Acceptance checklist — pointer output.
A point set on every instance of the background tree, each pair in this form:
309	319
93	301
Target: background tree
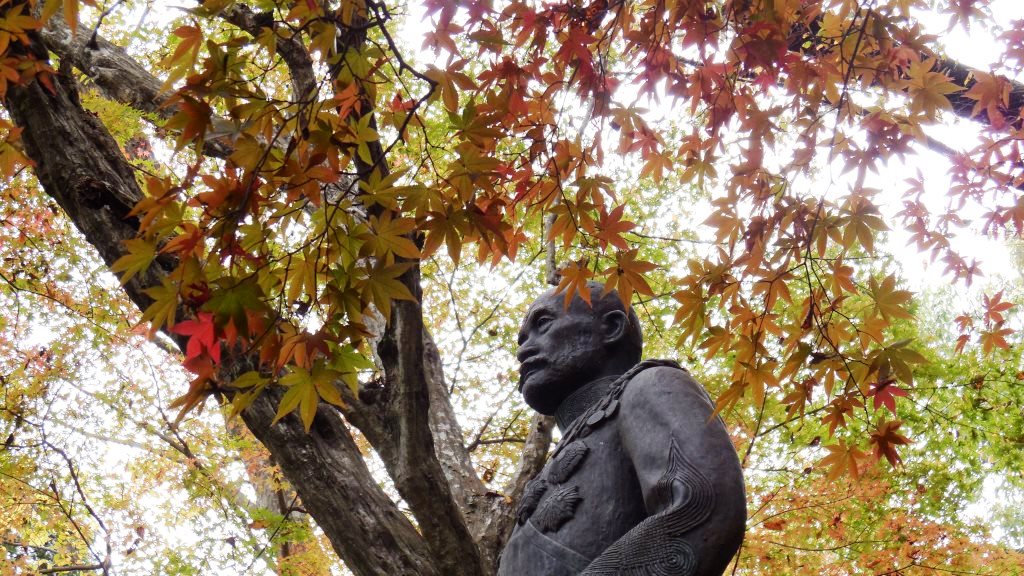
275	197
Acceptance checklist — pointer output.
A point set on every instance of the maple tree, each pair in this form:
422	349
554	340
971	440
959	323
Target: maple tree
272	183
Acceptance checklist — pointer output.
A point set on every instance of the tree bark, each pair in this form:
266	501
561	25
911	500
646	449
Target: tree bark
80	165
498	515
118	76
410	455
365	527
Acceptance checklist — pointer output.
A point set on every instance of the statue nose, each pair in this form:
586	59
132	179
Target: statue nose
525	352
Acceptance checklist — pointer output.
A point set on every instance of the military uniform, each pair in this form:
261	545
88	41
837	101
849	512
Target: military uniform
644	482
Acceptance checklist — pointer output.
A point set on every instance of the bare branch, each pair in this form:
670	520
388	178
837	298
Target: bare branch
73	568
498	440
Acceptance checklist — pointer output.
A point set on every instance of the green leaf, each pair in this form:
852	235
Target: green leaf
164	307
141	253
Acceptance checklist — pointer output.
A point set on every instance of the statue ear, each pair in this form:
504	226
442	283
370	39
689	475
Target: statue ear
614	325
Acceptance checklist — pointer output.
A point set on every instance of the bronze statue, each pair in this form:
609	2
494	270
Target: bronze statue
644	480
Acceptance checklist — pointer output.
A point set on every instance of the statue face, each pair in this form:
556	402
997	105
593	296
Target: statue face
559	351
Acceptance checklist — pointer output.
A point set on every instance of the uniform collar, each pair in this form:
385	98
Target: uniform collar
577	403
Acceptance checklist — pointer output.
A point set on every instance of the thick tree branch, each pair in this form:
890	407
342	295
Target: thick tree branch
117	75
409	453
81	167
960	74
291	49
449	444
412	468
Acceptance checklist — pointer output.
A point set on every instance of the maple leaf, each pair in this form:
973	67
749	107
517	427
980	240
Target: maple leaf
301	394
181	61
885	439
692	313
305	389
961	342
140	254
627	276
889	302
995	307
928	89
862	223
192	120
995	338
656	165
884	394
841	279
302	276
190	241
842	458
730	397
382	285
247	387
447	227
202	333
300	347
759	377
348	362
165	304
897	359
198	389
389	238
71	13
236	304
837	411
797	400
158	210
610	228
446	83
991	94
573	281
796	360
962	12
718	340
575	48
383	190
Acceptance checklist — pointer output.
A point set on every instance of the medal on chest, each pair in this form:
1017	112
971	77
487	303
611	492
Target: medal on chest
549	499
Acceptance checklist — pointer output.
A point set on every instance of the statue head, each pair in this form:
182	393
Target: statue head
561	350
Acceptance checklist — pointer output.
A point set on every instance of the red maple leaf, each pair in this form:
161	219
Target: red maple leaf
885	439
884	393
202	333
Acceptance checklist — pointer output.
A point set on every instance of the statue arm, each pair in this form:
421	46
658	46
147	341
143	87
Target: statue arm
691	481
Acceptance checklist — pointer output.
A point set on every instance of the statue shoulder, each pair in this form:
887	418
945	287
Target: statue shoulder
665	388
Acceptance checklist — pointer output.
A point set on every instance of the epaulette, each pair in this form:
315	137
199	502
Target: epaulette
605	408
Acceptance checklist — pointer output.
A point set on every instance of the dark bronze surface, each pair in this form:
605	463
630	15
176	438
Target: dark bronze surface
644	480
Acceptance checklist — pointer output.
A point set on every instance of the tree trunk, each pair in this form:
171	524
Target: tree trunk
327	470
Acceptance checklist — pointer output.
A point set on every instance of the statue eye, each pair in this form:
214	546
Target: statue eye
543	322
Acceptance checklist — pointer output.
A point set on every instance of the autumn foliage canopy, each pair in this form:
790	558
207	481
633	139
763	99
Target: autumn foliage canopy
293	193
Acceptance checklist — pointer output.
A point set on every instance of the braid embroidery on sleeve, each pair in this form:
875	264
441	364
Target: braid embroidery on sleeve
655	546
